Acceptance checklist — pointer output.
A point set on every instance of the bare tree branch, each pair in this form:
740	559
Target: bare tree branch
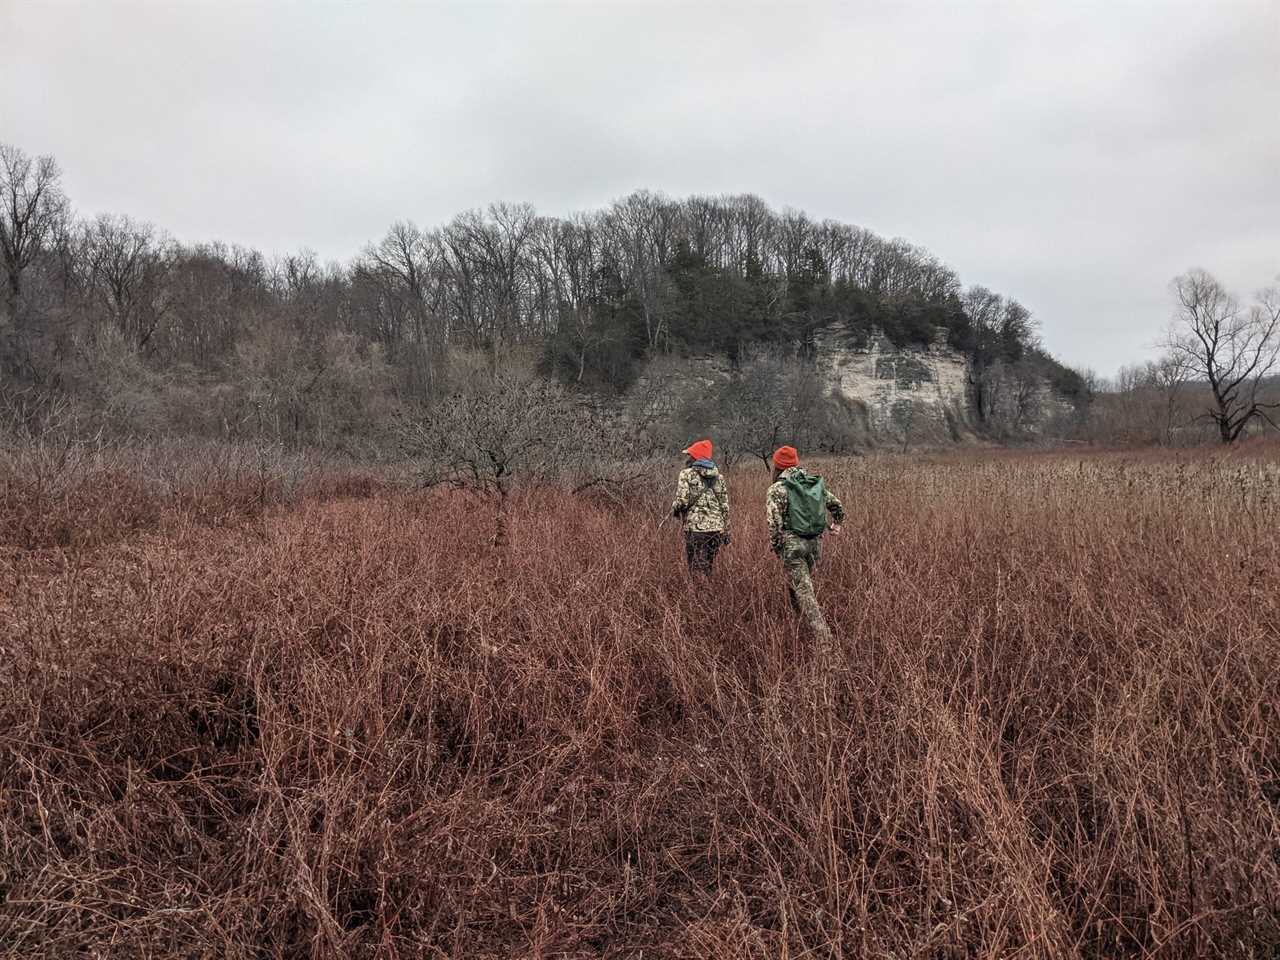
1234	350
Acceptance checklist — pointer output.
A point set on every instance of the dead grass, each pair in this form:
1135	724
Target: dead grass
63	493
347	728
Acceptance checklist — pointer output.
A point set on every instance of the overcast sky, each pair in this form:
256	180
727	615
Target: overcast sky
1074	155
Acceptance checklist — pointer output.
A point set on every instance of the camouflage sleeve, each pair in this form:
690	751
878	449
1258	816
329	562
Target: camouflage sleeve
683	494
722	494
775	507
834	506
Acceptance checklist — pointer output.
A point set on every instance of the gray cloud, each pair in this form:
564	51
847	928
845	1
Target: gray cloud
1075	156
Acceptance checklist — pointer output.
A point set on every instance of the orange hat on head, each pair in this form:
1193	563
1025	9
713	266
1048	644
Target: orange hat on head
785	457
700	450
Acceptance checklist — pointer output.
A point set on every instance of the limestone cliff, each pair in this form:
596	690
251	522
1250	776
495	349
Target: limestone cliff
920	395
876	394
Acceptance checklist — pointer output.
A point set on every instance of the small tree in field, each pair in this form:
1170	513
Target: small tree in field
1234	349
488	438
506	430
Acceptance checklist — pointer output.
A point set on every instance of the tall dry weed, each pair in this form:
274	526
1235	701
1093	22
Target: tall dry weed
351	728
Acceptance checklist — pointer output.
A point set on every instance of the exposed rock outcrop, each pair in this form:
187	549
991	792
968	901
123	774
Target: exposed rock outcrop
877	393
916	395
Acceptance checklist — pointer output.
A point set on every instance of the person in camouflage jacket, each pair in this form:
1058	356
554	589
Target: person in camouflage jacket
702	504
799	554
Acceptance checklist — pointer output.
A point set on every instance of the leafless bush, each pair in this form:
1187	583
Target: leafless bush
508	431
61	485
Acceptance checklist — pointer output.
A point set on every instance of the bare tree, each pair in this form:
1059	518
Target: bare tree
1026	396
1168	377
903	416
129	266
984	310
643	228
404	272
506	431
568	260
218	294
32	209
1233	349
770	400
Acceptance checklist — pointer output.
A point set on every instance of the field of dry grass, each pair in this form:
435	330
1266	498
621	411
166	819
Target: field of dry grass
338	724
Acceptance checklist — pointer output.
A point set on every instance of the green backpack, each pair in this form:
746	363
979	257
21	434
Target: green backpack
806	504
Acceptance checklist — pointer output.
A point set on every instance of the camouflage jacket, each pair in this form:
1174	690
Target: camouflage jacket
775	506
702	512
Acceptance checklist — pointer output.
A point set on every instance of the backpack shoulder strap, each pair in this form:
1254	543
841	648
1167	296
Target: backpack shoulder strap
708	483
698	496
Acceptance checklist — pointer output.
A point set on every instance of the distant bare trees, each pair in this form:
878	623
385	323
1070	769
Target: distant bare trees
33	209
643	229
222	337
1146	404
1235	350
128	265
999	337
487	266
1165	382
577	292
399	297
769	401
997	329
595	294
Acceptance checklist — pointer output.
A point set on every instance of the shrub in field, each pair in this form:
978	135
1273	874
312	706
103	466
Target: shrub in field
506	431
354	728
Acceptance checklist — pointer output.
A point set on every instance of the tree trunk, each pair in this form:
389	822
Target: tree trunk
13	295
500	521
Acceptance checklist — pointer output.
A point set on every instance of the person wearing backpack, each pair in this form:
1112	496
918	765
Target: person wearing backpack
796	506
702	504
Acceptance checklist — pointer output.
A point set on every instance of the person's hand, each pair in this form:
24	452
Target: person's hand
835	529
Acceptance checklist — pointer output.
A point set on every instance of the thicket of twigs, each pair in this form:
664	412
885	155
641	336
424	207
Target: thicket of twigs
341	724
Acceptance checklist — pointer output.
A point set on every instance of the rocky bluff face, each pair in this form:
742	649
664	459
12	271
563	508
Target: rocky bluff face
915	395
880	393
922	391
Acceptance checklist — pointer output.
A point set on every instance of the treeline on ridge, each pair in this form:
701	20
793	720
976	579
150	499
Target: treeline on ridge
217	339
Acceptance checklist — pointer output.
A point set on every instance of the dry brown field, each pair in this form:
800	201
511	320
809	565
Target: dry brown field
244	721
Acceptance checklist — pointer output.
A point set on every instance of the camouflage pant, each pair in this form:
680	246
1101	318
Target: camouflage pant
700	550
799	557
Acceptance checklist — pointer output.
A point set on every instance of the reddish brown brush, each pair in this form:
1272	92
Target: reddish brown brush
59	494
350	728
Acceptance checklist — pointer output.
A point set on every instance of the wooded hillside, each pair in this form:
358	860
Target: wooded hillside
213	338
